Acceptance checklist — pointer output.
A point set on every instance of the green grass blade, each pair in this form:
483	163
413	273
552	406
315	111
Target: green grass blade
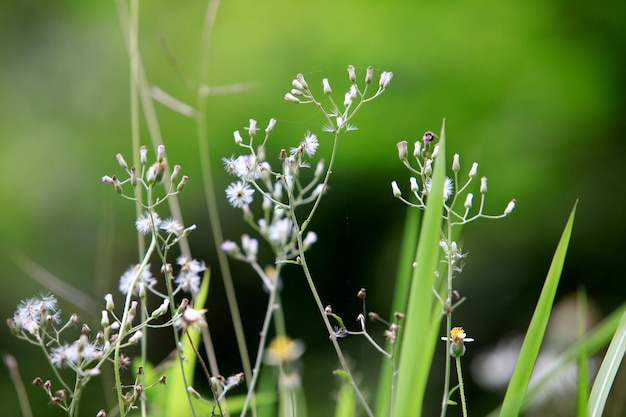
402	285
346	402
583	374
416	349
514	397
589	345
606	375
175	400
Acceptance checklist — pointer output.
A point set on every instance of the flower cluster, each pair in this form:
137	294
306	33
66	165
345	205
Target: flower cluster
339	115
281	191
424	153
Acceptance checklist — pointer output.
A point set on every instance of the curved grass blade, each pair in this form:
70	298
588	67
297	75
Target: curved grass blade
606	375
514	397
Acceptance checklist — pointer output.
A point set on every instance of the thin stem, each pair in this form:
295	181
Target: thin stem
461	387
448	309
313	289
124	323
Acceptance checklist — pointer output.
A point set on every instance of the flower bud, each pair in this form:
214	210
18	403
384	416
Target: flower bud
369	74
326	86
175	172
110	305
428	137
417	150
104	321
414	187
182	183
456	164
238	138
395	189
160	153
270	126
483	185
302	82
319	168
143	155
252	128
428	167
474	170
351	74
403	151
121	161
292	98
385	79
468	201
510	207
435	151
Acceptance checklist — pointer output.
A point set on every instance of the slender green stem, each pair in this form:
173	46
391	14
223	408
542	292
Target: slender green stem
461	387
124	324
313	289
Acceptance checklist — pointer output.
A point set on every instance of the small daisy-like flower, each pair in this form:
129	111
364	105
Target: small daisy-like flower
193	266
188	282
448	187
191	317
283	349
457	338
148	222
239	194
145	279
280	230
171	226
308	145
32	311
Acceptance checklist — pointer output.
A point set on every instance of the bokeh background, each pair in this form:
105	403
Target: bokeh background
533	91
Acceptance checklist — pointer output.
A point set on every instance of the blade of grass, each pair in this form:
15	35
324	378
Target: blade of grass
606	375
514	397
589	345
417	349
402	285
176	404
583	374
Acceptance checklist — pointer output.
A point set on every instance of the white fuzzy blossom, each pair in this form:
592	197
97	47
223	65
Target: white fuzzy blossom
145	279
239	194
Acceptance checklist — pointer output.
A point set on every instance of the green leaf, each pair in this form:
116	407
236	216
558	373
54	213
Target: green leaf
589	345
417	346
606	375
583	385
514	397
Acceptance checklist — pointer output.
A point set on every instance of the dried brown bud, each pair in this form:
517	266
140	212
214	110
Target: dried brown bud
361	294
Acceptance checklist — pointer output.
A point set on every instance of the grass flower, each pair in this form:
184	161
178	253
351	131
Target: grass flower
239	194
145	279
283	349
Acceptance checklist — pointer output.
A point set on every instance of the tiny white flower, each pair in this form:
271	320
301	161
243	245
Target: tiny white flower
147	222
145	279
171	226
188	282
308	145
230	247
239	194
448	187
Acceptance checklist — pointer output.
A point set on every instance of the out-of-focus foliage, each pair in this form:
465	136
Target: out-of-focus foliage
532	90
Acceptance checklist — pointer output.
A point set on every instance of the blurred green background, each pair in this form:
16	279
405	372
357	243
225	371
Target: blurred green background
533	91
